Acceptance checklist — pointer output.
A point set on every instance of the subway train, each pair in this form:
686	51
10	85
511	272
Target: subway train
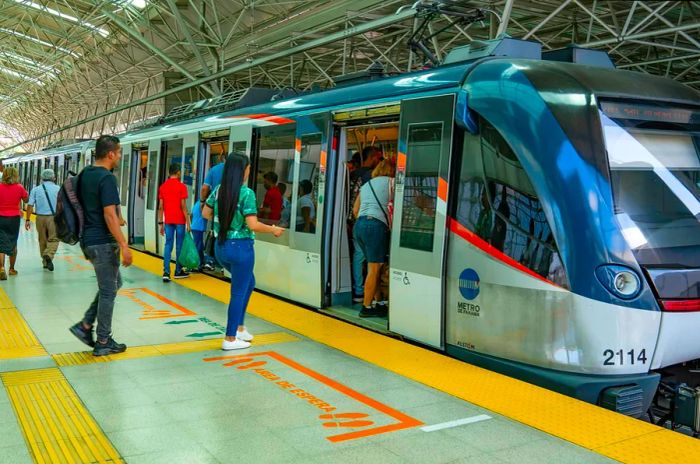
546	211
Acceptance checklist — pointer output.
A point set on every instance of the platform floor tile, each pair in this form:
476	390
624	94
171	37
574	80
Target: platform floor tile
177	398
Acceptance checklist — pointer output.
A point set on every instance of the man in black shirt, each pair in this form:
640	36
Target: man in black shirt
101	242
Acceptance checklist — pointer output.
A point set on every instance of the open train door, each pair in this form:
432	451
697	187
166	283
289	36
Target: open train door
418	236
150	222
124	171
240	137
308	172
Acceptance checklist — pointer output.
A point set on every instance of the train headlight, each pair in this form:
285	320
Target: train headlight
619	280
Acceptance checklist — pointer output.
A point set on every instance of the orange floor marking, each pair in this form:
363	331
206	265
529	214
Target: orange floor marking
404	421
149	311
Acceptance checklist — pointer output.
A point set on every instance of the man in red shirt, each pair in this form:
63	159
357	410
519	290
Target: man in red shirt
174	220
271	210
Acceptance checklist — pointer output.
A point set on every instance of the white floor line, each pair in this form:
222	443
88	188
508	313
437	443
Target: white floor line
455	423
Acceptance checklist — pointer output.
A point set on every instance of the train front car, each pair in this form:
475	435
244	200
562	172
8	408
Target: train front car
578	267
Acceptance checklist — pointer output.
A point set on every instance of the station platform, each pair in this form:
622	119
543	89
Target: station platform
311	388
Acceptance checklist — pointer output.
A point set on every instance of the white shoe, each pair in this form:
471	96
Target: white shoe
236	345
244	335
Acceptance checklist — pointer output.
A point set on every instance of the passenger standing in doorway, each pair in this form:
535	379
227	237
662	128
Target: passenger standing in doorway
371	156
12	193
234	209
174	221
42	200
101	242
306	210
211	181
372	234
271	209
199	227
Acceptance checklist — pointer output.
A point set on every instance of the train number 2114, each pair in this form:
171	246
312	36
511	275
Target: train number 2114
620	358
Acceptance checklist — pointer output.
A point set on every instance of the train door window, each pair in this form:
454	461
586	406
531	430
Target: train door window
152	184
173	155
274	172
421	186
499	204
117	171
307	203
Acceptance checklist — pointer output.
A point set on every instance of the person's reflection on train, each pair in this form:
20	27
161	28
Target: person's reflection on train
271	209
233	208
500	227
286	214
484	222
372	234
306	211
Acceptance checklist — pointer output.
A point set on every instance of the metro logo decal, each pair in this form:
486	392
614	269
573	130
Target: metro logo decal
375	419
469	284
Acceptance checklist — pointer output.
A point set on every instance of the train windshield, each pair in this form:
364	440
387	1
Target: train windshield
654	156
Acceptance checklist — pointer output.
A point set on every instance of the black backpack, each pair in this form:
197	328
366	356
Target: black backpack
69	218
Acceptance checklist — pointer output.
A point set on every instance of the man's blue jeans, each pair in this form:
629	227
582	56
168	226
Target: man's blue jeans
105	259
171	231
358	275
198	237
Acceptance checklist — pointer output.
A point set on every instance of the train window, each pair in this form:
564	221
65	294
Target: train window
152	184
307	202
498	203
275	171
420	186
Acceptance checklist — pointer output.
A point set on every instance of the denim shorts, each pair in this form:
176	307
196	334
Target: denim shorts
372	236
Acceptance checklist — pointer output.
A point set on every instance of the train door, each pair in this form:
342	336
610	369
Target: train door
189	163
123	182
307	212
137	185
60	161
150	226
171	153
212	146
420	219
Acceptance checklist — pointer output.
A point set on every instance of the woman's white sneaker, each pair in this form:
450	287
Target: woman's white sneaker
244	335
238	344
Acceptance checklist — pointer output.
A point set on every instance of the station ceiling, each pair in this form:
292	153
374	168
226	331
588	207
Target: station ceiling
66	61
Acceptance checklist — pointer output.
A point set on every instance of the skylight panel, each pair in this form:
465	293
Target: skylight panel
29	62
51	11
13	73
39	41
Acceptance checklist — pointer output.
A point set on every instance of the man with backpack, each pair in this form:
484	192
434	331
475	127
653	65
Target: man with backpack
42	201
101	241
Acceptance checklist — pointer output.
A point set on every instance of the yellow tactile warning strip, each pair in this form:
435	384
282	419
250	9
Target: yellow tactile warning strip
86	357
16	338
583	424
54	422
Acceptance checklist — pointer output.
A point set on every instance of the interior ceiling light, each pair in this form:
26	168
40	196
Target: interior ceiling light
140	4
46	9
13	73
39	41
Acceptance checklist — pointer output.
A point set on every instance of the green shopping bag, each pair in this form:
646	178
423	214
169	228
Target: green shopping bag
189	256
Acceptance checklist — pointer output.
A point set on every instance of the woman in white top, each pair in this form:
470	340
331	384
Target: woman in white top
306	210
371	232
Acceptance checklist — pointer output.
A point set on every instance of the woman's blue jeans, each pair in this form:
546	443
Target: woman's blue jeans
238	256
171	232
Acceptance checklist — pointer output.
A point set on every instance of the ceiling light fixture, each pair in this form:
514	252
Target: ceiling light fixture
46	9
39	41
13	73
30	62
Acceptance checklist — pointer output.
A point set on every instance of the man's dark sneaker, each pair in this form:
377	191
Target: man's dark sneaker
111	347
43	260
381	310
82	334
182	274
48	263
368	311
358	298
166	277
208	267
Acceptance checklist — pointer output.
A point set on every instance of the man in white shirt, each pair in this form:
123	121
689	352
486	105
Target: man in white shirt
42	200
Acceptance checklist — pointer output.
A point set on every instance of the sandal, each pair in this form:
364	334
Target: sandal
3	276
12	272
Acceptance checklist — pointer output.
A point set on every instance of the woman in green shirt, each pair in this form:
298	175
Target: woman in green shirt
233	207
